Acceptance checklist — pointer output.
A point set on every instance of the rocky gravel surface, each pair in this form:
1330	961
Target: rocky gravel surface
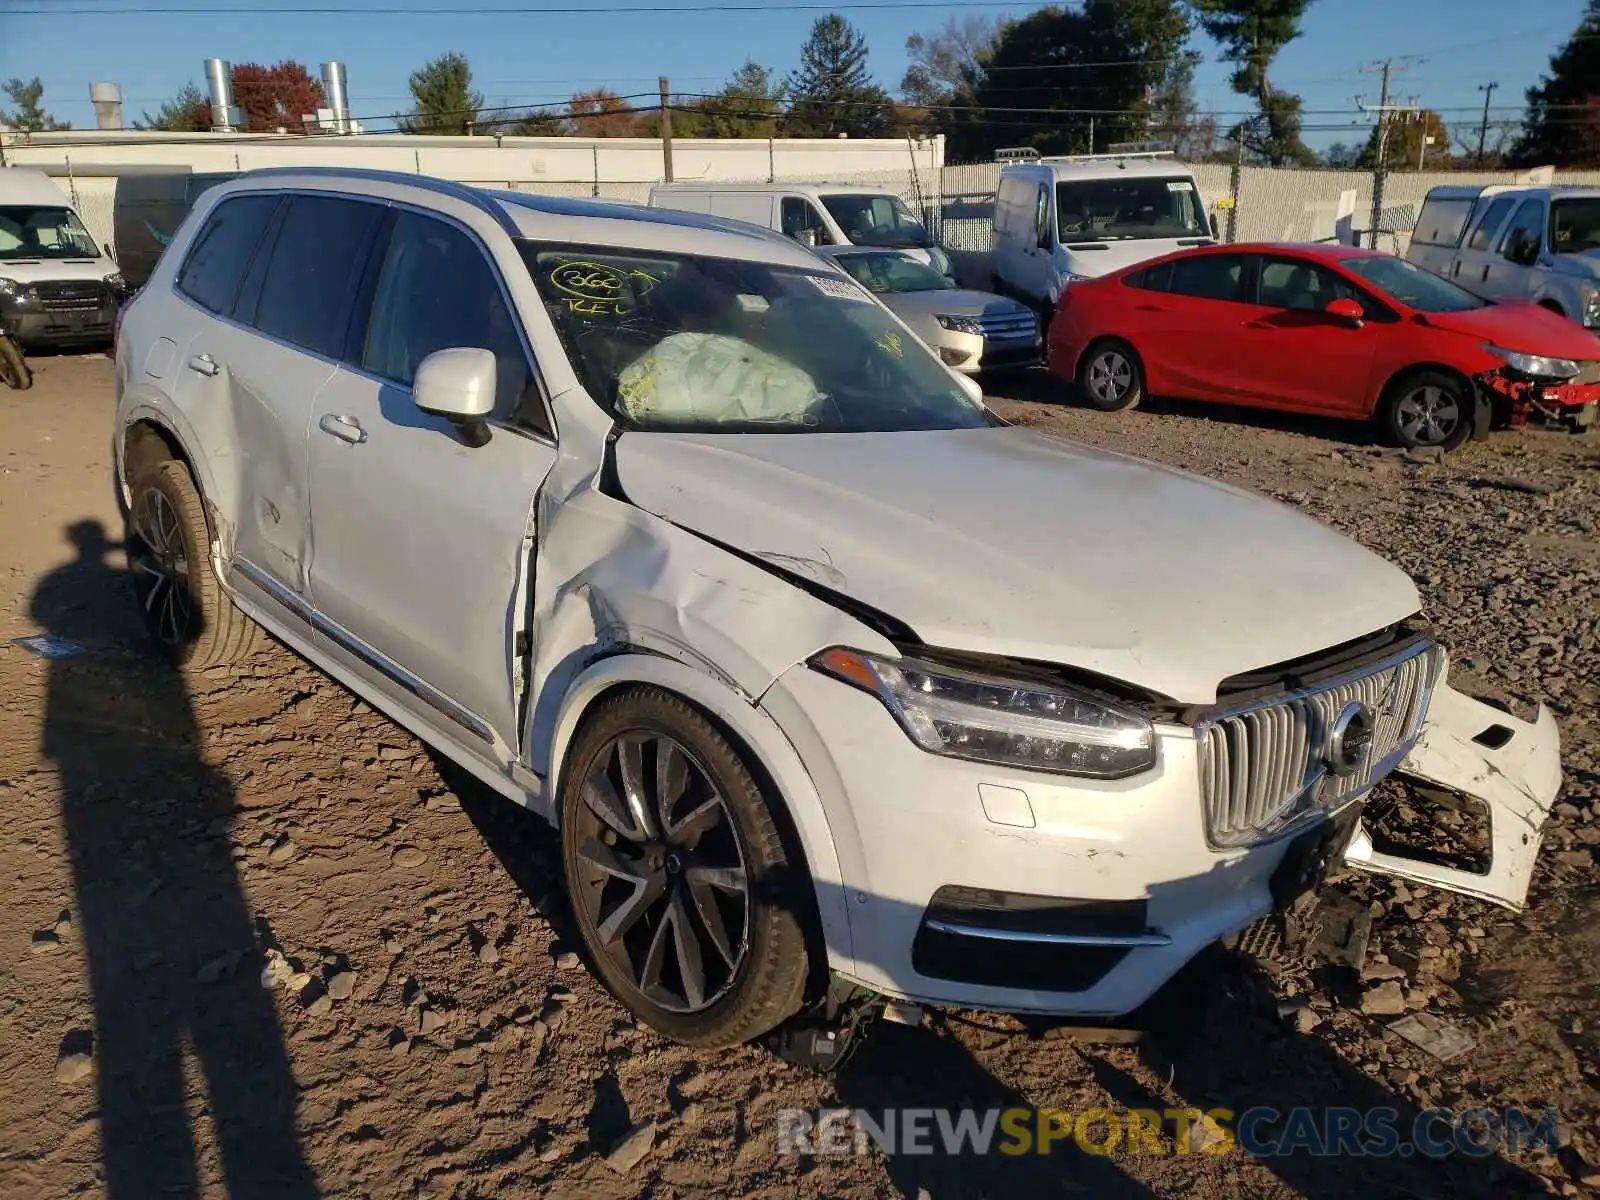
259	942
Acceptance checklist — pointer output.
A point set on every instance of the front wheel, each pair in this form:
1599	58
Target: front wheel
688	904
1429	409
1110	376
14	372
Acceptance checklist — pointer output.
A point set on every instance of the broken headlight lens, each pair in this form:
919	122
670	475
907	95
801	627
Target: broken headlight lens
1014	723
1541	366
959	324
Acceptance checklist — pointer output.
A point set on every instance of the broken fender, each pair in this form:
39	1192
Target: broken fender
1517	777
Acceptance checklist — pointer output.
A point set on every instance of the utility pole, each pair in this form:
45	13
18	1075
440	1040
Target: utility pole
666	133
1380	170
1483	130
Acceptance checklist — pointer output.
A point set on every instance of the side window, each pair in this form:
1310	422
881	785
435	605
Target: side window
1152	279
1526	228
437	291
217	261
1208	276
1041	216
1442	221
1483	235
1293	283
799	214
316	264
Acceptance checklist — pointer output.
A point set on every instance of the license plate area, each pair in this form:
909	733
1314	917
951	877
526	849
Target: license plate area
1311	855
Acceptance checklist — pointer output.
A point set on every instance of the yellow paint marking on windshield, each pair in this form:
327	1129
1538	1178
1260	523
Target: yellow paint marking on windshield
890	342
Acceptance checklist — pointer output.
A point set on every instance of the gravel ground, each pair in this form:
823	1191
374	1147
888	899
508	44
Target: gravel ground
171	846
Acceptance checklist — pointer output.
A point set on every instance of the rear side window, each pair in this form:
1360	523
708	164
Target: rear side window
316	265
1208	276
1442	221
1492	217
217	261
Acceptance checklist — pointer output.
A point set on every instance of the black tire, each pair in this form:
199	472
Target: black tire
1110	376
14	372
169	556
682	880
1428	408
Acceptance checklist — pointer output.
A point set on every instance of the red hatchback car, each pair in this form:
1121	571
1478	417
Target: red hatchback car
1333	330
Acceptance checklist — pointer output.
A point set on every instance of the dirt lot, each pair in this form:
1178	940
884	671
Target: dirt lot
164	842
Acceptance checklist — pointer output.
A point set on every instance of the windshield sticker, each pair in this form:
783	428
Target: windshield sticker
596	290
889	342
1179	185
752	303
838	288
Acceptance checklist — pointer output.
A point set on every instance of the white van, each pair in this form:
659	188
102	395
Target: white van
57	288
814	214
1515	243
1060	219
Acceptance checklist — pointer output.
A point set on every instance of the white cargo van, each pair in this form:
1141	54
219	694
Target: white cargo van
1515	243
57	288
1060	219
815	214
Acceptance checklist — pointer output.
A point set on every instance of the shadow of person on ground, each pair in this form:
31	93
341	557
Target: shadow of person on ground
172	954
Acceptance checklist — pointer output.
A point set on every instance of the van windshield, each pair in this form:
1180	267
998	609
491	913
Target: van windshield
1131	208
1575	225
712	345
35	231
876	220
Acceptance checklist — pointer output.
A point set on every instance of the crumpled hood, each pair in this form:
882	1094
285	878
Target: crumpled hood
1518	325
1004	541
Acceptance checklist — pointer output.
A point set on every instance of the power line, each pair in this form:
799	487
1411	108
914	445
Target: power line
733	6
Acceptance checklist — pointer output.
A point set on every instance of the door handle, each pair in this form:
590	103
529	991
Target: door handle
204	364
346	429
1152	308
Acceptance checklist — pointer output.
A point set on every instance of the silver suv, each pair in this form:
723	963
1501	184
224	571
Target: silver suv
834	685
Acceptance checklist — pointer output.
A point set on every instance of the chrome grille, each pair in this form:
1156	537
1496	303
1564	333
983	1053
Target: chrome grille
69	297
1262	769
1009	327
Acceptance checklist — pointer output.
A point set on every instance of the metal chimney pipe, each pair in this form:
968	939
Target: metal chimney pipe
333	86
107	101
219	80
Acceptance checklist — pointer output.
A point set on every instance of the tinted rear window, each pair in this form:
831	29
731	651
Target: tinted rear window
217	262
316	265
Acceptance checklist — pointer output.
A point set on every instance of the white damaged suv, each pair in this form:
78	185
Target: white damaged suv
663	528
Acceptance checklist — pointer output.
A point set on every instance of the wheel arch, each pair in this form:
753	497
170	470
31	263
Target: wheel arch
1398	377
767	752
1100	339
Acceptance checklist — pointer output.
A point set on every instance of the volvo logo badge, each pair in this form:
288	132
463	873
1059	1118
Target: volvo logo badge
1349	740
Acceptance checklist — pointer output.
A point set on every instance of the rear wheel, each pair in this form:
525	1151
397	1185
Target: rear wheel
1429	408
169	556
14	372
1110	376
686	899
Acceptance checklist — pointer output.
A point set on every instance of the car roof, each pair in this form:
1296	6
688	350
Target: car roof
555	218
1103	167
1321	251
787	185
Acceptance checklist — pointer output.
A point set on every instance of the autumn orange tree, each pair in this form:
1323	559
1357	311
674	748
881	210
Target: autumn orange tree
276	96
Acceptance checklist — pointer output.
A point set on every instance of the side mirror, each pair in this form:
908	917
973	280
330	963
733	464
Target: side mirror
1346	311
106	246
458	384
1524	249
806	237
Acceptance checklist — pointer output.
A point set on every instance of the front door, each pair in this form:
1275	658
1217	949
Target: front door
1291	354
422	545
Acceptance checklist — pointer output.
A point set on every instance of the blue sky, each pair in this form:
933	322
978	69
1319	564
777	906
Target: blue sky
524	59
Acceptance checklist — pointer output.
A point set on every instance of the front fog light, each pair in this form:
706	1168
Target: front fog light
1011	722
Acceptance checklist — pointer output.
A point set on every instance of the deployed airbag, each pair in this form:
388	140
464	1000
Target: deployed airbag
695	378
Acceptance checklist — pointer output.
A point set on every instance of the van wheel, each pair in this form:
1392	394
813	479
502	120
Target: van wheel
688	905
1428	408
169	556
1110	376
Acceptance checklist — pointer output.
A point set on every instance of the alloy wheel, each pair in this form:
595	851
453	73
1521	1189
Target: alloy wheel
1110	376
662	873
1428	415
161	568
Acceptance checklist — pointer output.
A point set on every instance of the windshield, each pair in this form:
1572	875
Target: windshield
711	345
884	273
1412	286
1575	225
32	231
1128	209
876	220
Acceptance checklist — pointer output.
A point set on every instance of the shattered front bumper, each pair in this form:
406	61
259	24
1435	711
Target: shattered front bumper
1512	767
1514	400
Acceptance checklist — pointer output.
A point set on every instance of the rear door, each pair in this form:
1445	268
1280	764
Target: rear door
1291	354
1477	255
1186	316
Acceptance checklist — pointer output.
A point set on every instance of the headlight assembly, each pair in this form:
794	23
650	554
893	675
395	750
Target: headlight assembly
960	324
1539	365
1009	722
10	287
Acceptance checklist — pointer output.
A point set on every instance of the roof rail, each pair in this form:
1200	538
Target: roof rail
432	183
1064	159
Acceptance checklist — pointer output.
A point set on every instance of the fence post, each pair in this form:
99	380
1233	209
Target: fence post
1235	185
595	150
1380	174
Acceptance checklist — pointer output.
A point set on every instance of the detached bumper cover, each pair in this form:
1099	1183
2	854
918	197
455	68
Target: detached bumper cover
1511	766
